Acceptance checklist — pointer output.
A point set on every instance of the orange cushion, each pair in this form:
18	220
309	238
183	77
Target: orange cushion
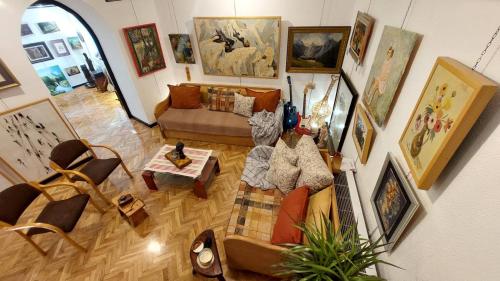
185	97
292	212
265	100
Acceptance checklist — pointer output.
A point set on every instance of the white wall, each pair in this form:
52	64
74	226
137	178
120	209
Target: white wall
454	235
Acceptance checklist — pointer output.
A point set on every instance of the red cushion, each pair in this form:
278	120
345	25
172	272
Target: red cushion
265	100
185	97
292	212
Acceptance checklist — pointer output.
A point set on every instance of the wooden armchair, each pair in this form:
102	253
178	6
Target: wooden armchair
93	172
57	216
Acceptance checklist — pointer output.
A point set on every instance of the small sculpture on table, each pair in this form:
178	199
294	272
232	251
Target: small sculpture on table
177	156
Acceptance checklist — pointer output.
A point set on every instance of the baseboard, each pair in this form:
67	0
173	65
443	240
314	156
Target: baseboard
144	123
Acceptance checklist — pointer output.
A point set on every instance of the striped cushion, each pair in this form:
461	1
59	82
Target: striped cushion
221	99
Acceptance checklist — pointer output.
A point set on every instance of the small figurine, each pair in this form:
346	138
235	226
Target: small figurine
179	147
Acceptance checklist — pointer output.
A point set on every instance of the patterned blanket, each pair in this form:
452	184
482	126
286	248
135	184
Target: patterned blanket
267	126
256	167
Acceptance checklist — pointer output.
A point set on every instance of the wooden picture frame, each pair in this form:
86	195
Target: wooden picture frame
393	201
362	133
38	52
59	47
41	127
7	79
320	61
137	38
343	110
233	59
360	38
450	103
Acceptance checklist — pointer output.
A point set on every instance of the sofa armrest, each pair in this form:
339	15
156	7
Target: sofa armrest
162	107
246	253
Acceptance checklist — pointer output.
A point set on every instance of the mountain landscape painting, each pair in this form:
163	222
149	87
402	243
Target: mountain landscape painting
316	49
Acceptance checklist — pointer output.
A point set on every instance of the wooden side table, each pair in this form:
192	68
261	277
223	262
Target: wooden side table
132	212
214	270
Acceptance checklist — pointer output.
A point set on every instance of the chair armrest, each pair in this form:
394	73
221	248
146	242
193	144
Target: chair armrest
162	107
77	173
108	148
34	225
43	187
251	254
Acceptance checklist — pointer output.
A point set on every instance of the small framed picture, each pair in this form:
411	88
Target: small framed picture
393	202
361	36
48	27
25	29
7	79
59	47
38	52
72	70
75	43
362	133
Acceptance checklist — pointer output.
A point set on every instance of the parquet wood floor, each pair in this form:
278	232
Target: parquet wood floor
155	250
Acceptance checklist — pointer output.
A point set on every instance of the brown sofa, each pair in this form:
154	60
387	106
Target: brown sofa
205	125
248	236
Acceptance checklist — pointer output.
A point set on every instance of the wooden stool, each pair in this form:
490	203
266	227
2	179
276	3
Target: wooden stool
133	212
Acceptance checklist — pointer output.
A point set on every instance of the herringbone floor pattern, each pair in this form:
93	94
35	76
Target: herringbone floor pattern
155	250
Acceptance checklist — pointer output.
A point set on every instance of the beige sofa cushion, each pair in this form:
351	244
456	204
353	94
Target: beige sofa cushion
282	170
204	121
314	172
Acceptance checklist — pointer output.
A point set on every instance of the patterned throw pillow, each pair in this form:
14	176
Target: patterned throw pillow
221	99
314	172
282	170
243	105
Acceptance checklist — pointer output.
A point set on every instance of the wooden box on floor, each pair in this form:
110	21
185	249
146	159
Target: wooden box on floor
132	212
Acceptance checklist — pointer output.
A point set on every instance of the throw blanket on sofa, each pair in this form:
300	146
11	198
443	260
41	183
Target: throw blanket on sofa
267	126
256	167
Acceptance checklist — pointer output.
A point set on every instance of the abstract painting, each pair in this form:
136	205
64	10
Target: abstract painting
361	36
362	133
316	49
75	43
449	105
59	47
232	46
7	79
393	202
391	60
181	45
38	52
72	70
26	29
28	135
48	27
55	80
343	109
145	48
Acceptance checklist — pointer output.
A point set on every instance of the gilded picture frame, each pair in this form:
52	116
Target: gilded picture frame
362	133
7	79
303	55
393	201
450	103
360	38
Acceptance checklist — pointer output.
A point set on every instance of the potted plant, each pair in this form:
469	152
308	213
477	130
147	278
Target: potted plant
330	255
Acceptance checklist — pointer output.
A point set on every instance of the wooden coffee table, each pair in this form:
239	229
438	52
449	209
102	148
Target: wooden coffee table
215	269
204	167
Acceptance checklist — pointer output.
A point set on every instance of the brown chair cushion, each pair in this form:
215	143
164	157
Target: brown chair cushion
63	214
98	170
185	97
66	152
14	200
265	100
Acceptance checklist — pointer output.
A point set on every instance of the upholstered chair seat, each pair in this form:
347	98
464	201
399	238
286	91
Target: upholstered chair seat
98	170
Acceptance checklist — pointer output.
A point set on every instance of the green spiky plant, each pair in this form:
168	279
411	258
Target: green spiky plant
330	255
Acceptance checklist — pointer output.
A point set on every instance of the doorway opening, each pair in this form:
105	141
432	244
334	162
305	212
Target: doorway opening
68	58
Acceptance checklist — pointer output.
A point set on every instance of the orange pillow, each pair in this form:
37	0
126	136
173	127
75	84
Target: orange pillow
265	100
185	97
293	211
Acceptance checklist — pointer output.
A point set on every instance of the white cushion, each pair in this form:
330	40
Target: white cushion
282	170
314	171
243	105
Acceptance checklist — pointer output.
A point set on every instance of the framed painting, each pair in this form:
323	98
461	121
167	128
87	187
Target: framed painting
145	48
316	49
54	80
26	29
343	109
72	70
48	27
7	79
239	46
59	47
361	36
38	52
391	60
451	101
393	202
29	133
75	43
181	45
362	133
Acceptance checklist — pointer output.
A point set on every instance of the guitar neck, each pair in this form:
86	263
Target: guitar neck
290	87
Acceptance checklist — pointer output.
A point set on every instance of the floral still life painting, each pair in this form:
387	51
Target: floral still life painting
447	108
232	46
391	60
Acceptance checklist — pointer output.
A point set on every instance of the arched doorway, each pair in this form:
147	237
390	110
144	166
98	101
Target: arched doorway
66	53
